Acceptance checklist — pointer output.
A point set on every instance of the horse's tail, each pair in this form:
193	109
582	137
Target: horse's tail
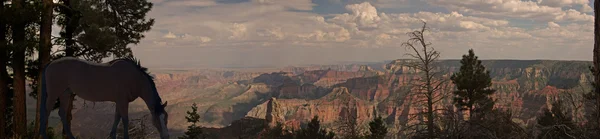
43	107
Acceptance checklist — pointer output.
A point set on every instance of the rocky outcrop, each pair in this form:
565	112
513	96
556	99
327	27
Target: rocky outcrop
524	88
274	114
329	108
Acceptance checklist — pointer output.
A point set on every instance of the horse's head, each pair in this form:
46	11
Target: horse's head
160	119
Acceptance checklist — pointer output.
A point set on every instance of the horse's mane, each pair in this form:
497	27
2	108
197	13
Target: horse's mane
135	62
158	106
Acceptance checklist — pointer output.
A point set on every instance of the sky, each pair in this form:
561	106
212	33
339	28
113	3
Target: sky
276	33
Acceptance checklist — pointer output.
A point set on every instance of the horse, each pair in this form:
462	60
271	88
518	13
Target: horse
120	81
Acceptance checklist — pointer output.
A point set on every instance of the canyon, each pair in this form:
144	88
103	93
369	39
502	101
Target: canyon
232	100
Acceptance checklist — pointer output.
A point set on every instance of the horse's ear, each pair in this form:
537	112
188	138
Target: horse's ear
165	104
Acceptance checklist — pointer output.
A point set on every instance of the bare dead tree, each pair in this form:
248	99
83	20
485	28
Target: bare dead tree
349	128
575	102
429	82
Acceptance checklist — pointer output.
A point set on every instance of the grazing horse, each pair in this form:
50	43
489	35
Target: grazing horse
120	81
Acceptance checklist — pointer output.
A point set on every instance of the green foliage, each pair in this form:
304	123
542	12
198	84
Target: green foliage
277	132
377	128
473	84
50	132
497	124
556	123
103	28
314	131
194	131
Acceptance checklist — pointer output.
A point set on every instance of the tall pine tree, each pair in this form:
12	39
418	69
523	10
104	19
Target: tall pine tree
473	84
377	128
556	122
19	22
45	47
194	131
314	131
3	72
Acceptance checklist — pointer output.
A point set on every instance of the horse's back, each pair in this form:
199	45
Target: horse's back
89	80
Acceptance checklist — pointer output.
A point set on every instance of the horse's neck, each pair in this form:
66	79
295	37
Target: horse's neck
150	101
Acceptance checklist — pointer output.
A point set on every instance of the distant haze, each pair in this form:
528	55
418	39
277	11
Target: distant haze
262	57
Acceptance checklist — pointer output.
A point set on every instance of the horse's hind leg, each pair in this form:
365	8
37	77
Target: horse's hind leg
64	99
113	131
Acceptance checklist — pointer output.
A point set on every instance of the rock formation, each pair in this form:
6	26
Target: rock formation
229	100
274	115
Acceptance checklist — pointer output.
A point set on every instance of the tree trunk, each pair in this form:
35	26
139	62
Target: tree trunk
69	51
430	124
597	61
18	65
69	30
3	75
471	112
44	55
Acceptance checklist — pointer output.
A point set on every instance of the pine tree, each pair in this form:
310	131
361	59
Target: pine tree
20	22
473	84
194	131
103	31
377	128
314	131
3	72
277	132
45	47
556	122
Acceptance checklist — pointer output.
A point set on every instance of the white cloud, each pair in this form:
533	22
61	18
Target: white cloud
529	10
294	4
238	31
199	39
586	8
562	3
364	13
321	36
273	33
482	25
573	15
472	25
188	3
170	35
553	25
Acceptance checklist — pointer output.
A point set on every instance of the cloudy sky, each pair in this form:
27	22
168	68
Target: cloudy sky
256	33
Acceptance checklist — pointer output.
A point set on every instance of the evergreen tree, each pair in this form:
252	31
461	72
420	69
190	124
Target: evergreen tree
314	131
556	123
22	15
4	78
44	49
96	29
194	131
377	128
473	84
277	132
103	31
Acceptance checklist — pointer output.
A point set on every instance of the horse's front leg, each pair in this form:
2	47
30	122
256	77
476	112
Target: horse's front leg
64	99
123	113
113	131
